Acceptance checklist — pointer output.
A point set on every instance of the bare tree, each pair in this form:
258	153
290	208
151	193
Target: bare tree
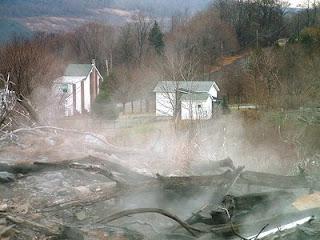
121	85
92	41
176	66
141	30
7	99
31	64
125	52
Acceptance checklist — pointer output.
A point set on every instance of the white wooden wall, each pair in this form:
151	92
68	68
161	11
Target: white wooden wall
190	109
165	103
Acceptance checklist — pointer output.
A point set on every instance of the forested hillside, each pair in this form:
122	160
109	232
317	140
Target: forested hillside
66	15
10	27
21	8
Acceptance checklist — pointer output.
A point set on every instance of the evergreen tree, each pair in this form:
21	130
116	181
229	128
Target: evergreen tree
104	107
156	38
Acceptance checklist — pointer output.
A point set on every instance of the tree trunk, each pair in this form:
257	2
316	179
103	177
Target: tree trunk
124	108
131	106
147	105
141	101
30	109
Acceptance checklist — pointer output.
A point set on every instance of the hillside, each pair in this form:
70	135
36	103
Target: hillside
65	15
10	28
31	8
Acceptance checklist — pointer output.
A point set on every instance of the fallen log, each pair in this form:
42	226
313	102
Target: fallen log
104	167
132	182
115	167
217	197
32	225
26	168
173	183
246	177
108	147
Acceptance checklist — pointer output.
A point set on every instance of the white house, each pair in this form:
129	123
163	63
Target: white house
191	99
78	88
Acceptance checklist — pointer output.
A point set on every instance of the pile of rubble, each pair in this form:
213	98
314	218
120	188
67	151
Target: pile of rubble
92	198
96	196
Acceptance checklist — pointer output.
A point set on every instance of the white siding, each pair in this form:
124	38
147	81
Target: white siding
66	98
196	109
165	103
68	102
209	107
87	94
213	92
78	97
98	84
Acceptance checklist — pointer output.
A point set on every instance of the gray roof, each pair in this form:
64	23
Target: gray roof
78	70
193	86
194	97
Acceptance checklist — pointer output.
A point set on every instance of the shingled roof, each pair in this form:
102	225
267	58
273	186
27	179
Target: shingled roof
78	70
195	97
192	86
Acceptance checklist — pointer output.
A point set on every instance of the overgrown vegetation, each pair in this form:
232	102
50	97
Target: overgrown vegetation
270	76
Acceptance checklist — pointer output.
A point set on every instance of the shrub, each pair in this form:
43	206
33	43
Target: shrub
106	110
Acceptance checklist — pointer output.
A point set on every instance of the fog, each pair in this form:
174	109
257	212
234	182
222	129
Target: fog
87	153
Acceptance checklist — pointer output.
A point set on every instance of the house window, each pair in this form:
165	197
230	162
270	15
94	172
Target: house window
64	88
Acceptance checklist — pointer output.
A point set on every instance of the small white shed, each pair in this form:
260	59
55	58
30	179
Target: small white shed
196	106
195	98
78	88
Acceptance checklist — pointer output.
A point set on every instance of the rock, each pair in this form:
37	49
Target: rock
3	207
3	221
72	234
83	190
81	215
6	177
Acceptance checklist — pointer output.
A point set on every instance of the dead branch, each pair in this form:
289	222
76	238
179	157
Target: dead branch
110	148
262	229
7	99
99	138
30	224
115	167
6	229
26	103
126	213
223	188
99	170
26	168
104	196
142	224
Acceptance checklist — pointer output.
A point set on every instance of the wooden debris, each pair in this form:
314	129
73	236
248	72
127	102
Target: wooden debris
30	224
215	216
125	213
